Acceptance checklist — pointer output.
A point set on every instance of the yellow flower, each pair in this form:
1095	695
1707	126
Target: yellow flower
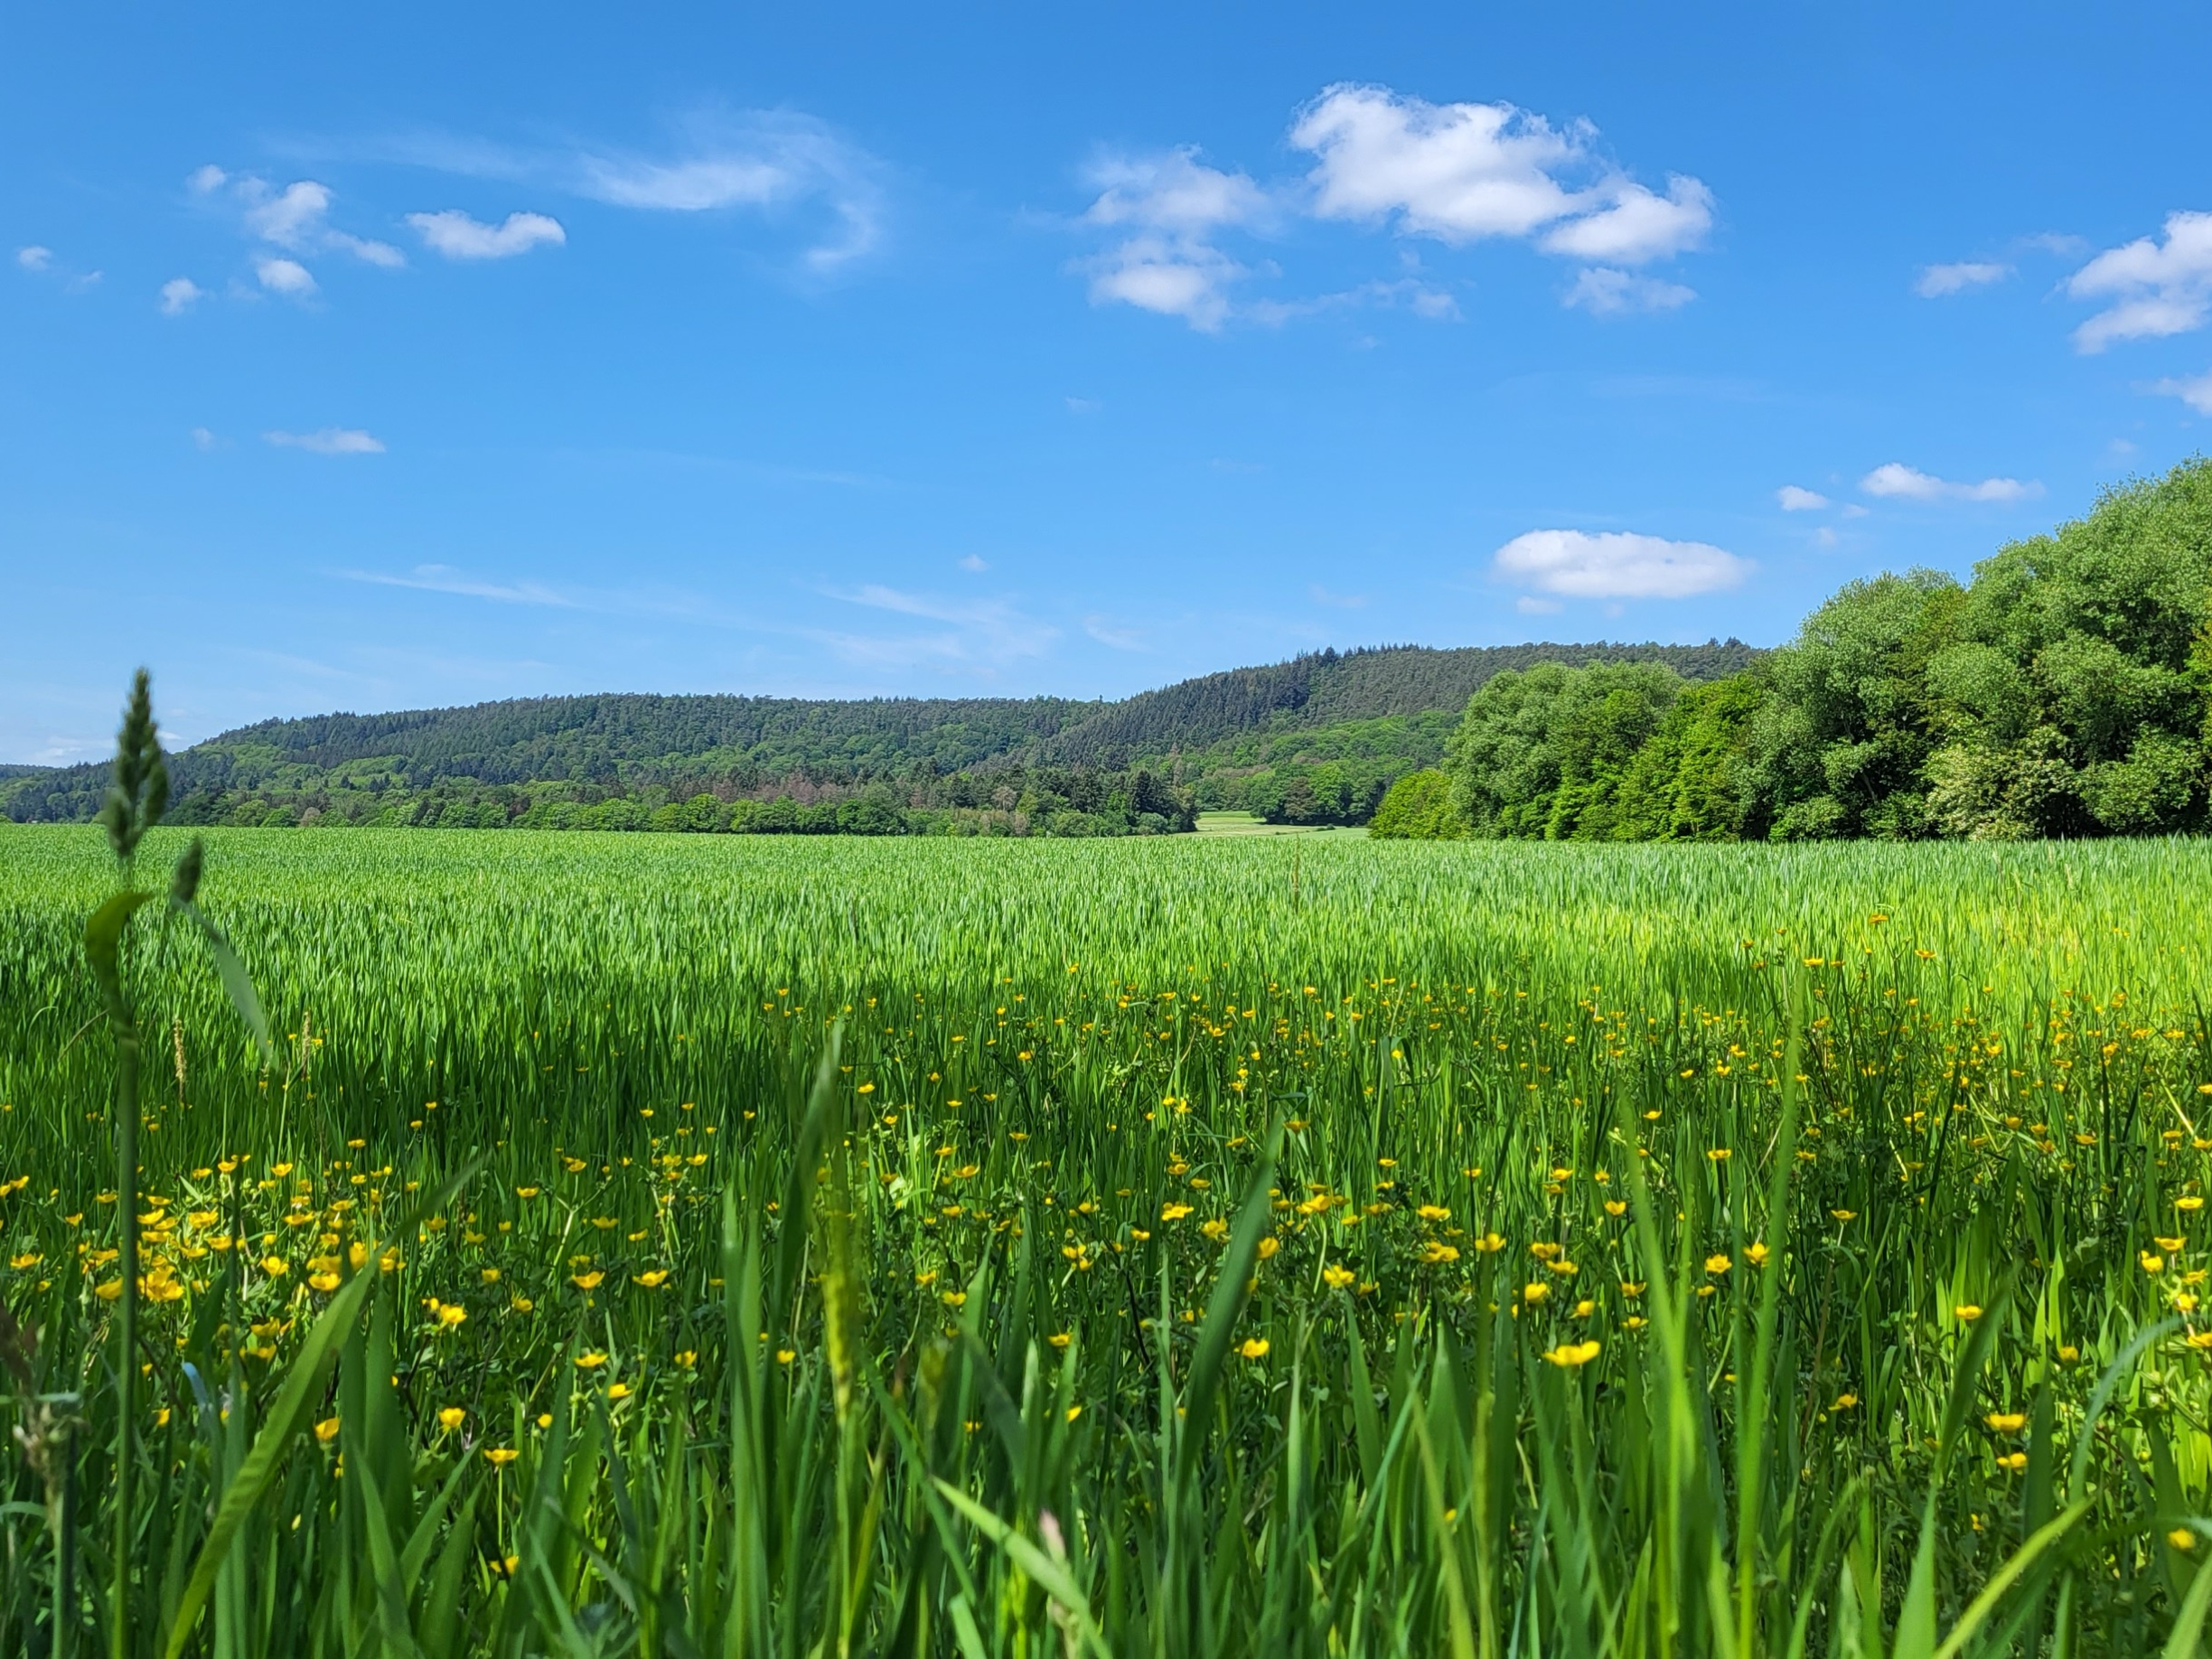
1535	1292
653	1279
450	1314
1490	1244
1755	1254
452	1417
327	1431
1967	1313
1570	1355
685	1359
2188	1206
499	1456
2200	1339
785	1356
1255	1347
2182	1538
1843	1402
324	1282
590	1362
618	1390
587	1281
1616	1209
1060	1339
1718	1264
2006	1422
2151	1263
1337	1277
275	1267
1721	1155
1436	1254
491	1276
1434	1213
1268	1246
29	1259
1174	1211
1074	1412
1217	1229
1844	1216
2068	1353
523	1304
2013	1461
954	1299
109	1292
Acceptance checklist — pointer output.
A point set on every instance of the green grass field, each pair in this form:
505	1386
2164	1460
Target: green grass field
1228	1245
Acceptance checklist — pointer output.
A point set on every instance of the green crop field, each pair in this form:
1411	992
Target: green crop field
1230	1245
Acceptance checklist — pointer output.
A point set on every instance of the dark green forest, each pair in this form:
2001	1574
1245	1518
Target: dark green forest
2065	691
1313	740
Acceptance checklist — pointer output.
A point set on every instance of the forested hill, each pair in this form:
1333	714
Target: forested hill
1328	687
660	747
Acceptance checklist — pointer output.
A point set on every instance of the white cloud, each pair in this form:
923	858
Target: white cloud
759	161
1825	536
1529	604
1608	293
1463	172
456	235
328	441
1172	204
1616	565
290	218
178	294
1901	481
285	277
204	438
1343	602
974	562
1936	281
1457	172
1795	499
2196	393
34	257
1082	405
294	219
1638	226
2155	289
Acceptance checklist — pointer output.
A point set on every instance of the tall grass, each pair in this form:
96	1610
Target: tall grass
1244	1247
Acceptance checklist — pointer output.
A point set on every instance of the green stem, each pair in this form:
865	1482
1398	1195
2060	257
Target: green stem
127	1328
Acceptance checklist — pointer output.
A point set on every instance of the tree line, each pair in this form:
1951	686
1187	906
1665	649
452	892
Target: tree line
2065	690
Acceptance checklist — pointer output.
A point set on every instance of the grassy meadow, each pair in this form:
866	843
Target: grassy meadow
1216	1245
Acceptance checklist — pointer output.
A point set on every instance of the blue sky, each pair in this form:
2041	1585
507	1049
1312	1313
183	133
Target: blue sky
429	355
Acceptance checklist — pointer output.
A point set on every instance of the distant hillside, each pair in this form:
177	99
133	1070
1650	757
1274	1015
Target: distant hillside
1326	688
1386	709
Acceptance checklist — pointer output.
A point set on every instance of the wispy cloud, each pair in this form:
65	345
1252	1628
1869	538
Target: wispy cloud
446	579
34	257
1605	292
456	235
288	224
1104	630
178	294
977	636
1896	481
2196	393
1936	281
1343	602
767	161
328	441
1794	498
